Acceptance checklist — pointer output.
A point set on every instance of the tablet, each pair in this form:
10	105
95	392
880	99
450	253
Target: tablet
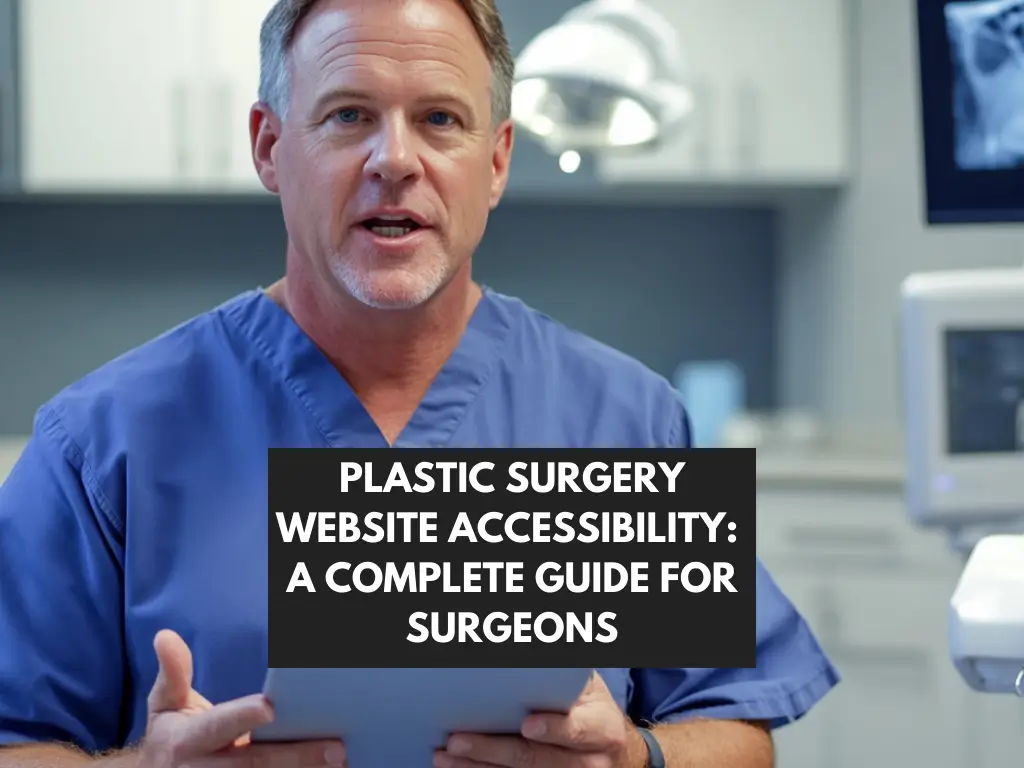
394	717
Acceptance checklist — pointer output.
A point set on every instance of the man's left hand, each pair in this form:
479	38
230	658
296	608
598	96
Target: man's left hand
595	733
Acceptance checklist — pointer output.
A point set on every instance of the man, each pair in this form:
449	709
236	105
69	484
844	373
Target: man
136	516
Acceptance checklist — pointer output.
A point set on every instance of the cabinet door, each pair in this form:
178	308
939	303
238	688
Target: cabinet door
109	94
771	86
997	725
900	702
805	743
233	52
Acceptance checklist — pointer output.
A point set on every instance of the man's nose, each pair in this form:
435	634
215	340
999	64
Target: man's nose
394	157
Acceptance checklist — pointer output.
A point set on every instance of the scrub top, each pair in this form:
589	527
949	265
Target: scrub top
140	503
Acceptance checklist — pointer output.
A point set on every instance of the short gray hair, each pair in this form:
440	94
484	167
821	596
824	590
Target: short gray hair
281	23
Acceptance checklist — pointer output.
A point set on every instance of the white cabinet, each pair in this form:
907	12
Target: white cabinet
154	95
108	94
901	702
233	40
875	591
138	95
772	87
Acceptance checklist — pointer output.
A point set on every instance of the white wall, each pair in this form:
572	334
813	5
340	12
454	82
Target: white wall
842	260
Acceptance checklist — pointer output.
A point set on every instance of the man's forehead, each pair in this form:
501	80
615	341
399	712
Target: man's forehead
399	29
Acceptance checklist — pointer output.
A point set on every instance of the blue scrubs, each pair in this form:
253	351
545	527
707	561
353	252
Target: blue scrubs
140	503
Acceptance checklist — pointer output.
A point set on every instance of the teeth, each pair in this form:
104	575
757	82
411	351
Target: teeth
391	231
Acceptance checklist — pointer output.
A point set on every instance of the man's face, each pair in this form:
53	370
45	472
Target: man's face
388	163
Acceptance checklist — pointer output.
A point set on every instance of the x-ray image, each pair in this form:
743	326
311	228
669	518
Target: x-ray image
986	40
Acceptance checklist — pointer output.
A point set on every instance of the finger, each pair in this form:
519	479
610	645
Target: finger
221	726
587	728
170	691
444	760
306	754
506	751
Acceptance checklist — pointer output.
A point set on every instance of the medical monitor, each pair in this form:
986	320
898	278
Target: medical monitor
962	363
971	68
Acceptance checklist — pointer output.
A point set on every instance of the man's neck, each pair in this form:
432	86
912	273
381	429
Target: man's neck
380	351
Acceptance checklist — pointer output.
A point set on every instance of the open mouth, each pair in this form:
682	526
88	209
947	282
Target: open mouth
390	227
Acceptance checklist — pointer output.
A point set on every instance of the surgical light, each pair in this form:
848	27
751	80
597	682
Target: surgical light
608	76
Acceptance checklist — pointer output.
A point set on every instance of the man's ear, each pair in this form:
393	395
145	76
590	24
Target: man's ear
504	138
264	131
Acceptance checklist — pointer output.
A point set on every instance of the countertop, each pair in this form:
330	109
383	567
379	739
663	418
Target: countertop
823	469
865	458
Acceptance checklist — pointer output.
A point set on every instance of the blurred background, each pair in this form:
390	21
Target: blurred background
755	261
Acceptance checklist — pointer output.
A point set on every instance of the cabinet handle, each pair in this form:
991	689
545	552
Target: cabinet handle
3	134
884	665
904	658
844	538
180	110
703	124
748	112
9	148
223	128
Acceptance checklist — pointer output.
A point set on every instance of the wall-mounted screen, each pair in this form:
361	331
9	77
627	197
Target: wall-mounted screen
971	63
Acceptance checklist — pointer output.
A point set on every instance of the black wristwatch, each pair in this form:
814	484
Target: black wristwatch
655	757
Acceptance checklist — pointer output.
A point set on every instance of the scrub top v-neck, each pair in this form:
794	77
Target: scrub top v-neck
331	402
140	504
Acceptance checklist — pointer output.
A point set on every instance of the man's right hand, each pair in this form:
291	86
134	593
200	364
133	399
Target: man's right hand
184	729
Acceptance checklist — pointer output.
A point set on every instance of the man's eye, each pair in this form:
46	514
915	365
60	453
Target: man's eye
347	115
440	119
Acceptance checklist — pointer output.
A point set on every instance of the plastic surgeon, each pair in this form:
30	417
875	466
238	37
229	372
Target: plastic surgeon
133	529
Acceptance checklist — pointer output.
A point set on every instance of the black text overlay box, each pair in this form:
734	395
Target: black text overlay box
512	558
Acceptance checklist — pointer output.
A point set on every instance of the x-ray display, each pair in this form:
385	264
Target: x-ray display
986	40
985	391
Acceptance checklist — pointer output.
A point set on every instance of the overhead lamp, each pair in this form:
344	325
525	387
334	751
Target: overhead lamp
608	76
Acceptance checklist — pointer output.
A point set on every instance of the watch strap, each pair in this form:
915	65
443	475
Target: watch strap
655	757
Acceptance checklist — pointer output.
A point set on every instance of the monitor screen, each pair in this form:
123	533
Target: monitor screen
971	59
984	391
